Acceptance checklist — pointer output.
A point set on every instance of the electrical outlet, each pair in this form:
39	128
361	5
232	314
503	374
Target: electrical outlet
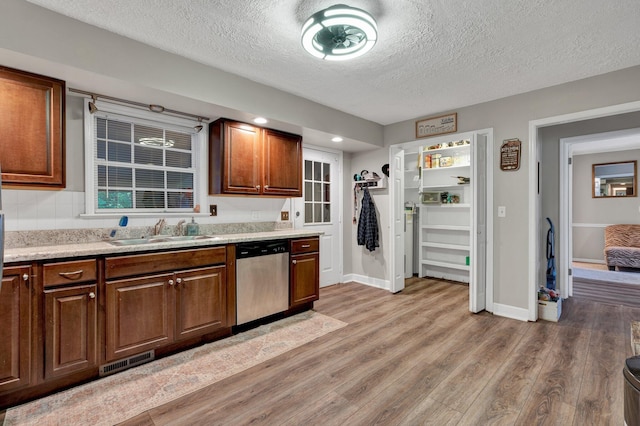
213	209
254	215
284	215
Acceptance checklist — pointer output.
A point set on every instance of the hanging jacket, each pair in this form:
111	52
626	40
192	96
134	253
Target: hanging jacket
368	224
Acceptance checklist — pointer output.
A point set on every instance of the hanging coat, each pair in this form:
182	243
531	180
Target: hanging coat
368	224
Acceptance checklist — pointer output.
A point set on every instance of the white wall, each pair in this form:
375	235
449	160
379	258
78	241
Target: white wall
373	264
510	117
591	215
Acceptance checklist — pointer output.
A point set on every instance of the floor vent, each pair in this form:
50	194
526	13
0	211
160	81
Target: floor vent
123	364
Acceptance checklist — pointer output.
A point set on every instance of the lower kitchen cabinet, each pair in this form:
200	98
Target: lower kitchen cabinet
70	330
138	315
304	271
15	328
201	301
70	317
151	311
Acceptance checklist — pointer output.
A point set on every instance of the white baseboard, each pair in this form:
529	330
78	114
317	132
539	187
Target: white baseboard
511	312
363	279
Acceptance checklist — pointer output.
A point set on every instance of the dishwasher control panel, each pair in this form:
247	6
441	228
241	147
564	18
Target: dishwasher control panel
261	248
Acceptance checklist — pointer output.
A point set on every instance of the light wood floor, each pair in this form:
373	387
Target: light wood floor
419	357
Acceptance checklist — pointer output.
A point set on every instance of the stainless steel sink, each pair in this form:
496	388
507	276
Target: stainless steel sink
160	239
164	239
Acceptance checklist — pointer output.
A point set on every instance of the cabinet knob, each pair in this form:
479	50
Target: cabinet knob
258	187
178	280
266	187
25	277
294	262
92	295
170	282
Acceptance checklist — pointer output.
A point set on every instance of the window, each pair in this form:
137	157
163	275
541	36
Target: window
136	164
317	190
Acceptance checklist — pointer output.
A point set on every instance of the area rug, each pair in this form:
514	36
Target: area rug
124	395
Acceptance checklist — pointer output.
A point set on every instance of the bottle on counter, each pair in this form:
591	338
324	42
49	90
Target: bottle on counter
193	228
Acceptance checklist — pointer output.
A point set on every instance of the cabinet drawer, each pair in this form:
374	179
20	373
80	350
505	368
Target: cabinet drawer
307	245
150	263
75	271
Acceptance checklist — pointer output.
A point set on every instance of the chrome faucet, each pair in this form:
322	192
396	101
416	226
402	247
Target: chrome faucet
157	229
179	228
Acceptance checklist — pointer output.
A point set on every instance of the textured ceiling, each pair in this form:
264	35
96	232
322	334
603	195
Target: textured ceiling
432	56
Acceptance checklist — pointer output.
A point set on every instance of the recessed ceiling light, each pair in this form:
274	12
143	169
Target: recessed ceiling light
336	139
260	120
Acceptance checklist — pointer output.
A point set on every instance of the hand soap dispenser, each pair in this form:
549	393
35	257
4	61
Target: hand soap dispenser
193	228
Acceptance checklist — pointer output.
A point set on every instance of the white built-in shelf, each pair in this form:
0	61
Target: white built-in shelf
448	227
443	186
456	166
447	205
447	149
447	246
445	265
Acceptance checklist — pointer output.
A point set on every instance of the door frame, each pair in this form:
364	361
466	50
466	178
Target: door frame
396	254
617	140
340	198
534	201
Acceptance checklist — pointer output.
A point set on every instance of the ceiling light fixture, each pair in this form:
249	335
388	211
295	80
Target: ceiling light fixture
336	139
339	33
260	120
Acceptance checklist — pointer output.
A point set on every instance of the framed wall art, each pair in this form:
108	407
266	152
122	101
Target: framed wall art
434	126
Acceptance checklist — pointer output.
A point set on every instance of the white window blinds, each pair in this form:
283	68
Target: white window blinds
140	165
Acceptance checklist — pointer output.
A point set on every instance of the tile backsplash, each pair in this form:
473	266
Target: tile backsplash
28	210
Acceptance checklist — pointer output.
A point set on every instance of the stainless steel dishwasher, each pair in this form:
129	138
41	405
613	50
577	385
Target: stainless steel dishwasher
262	279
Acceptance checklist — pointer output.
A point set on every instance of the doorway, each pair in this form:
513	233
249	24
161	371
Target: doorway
535	217
319	209
478	222
572	151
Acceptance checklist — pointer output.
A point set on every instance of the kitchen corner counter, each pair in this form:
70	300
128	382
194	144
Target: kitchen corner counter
25	254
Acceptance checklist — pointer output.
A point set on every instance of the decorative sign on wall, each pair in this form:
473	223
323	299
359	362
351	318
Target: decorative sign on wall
510	155
437	125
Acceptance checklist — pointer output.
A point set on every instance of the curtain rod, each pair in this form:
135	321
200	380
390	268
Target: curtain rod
150	107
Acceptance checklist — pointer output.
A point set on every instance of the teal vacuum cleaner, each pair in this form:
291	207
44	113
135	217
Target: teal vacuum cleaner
551	257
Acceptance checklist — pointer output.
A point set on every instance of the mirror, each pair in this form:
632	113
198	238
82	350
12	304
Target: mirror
614	179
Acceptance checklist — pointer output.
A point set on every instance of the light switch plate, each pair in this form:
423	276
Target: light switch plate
284	215
502	211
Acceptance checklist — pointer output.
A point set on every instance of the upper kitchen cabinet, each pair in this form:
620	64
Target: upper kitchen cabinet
249	160
32	129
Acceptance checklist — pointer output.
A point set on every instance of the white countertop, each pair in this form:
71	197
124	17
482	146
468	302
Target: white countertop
24	254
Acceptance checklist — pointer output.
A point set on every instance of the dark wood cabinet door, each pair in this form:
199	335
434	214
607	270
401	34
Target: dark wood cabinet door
305	278
242	161
15	329
282	164
70	330
201	301
139	315
32	129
